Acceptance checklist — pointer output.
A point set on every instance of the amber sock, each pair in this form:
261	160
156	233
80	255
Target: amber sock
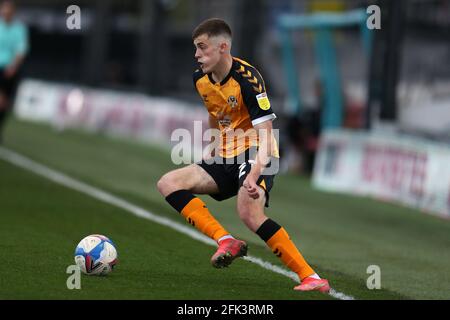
195	212
282	246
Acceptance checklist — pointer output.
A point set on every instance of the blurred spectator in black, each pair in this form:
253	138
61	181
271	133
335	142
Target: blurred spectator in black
115	74
295	135
312	118
304	132
13	48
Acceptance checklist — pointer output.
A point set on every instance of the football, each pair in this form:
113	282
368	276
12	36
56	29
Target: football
96	255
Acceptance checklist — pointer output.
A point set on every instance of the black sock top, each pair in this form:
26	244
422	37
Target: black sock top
268	229
179	199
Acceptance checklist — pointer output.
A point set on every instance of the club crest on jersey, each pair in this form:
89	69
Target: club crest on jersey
232	101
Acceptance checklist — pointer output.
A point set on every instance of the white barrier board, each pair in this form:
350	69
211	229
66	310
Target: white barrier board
408	170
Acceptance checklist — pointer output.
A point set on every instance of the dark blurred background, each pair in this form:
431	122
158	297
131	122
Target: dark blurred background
146	46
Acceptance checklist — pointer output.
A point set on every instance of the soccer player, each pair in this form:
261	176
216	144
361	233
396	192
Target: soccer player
13	47
235	96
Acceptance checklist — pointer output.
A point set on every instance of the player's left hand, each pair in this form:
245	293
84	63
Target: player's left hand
251	186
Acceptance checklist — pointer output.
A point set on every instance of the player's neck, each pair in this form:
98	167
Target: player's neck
222	69
7	21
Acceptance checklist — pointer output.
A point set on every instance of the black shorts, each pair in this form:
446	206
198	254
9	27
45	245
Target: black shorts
8	86
229	175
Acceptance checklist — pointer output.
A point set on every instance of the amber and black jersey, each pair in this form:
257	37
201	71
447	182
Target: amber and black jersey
238	103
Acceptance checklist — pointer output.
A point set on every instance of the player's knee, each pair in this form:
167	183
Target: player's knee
167	184
161	185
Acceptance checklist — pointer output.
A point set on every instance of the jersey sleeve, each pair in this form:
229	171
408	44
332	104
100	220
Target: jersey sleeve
255	96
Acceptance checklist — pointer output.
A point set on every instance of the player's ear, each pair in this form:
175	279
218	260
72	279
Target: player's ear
223	46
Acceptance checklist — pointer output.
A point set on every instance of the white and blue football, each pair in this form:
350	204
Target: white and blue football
96	255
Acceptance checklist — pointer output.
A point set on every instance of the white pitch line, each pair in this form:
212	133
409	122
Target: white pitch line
62	179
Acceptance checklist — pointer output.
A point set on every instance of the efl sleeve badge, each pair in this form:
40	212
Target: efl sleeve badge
263	101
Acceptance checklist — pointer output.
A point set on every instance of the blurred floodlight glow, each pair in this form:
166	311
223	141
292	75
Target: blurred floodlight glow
75	101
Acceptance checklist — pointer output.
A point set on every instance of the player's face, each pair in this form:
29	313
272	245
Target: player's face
207	52
7	10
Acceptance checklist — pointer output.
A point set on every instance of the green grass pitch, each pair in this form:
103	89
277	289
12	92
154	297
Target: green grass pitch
41	222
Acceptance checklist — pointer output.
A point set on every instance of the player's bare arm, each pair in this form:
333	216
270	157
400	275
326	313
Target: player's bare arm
11	70
211	148
264	131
